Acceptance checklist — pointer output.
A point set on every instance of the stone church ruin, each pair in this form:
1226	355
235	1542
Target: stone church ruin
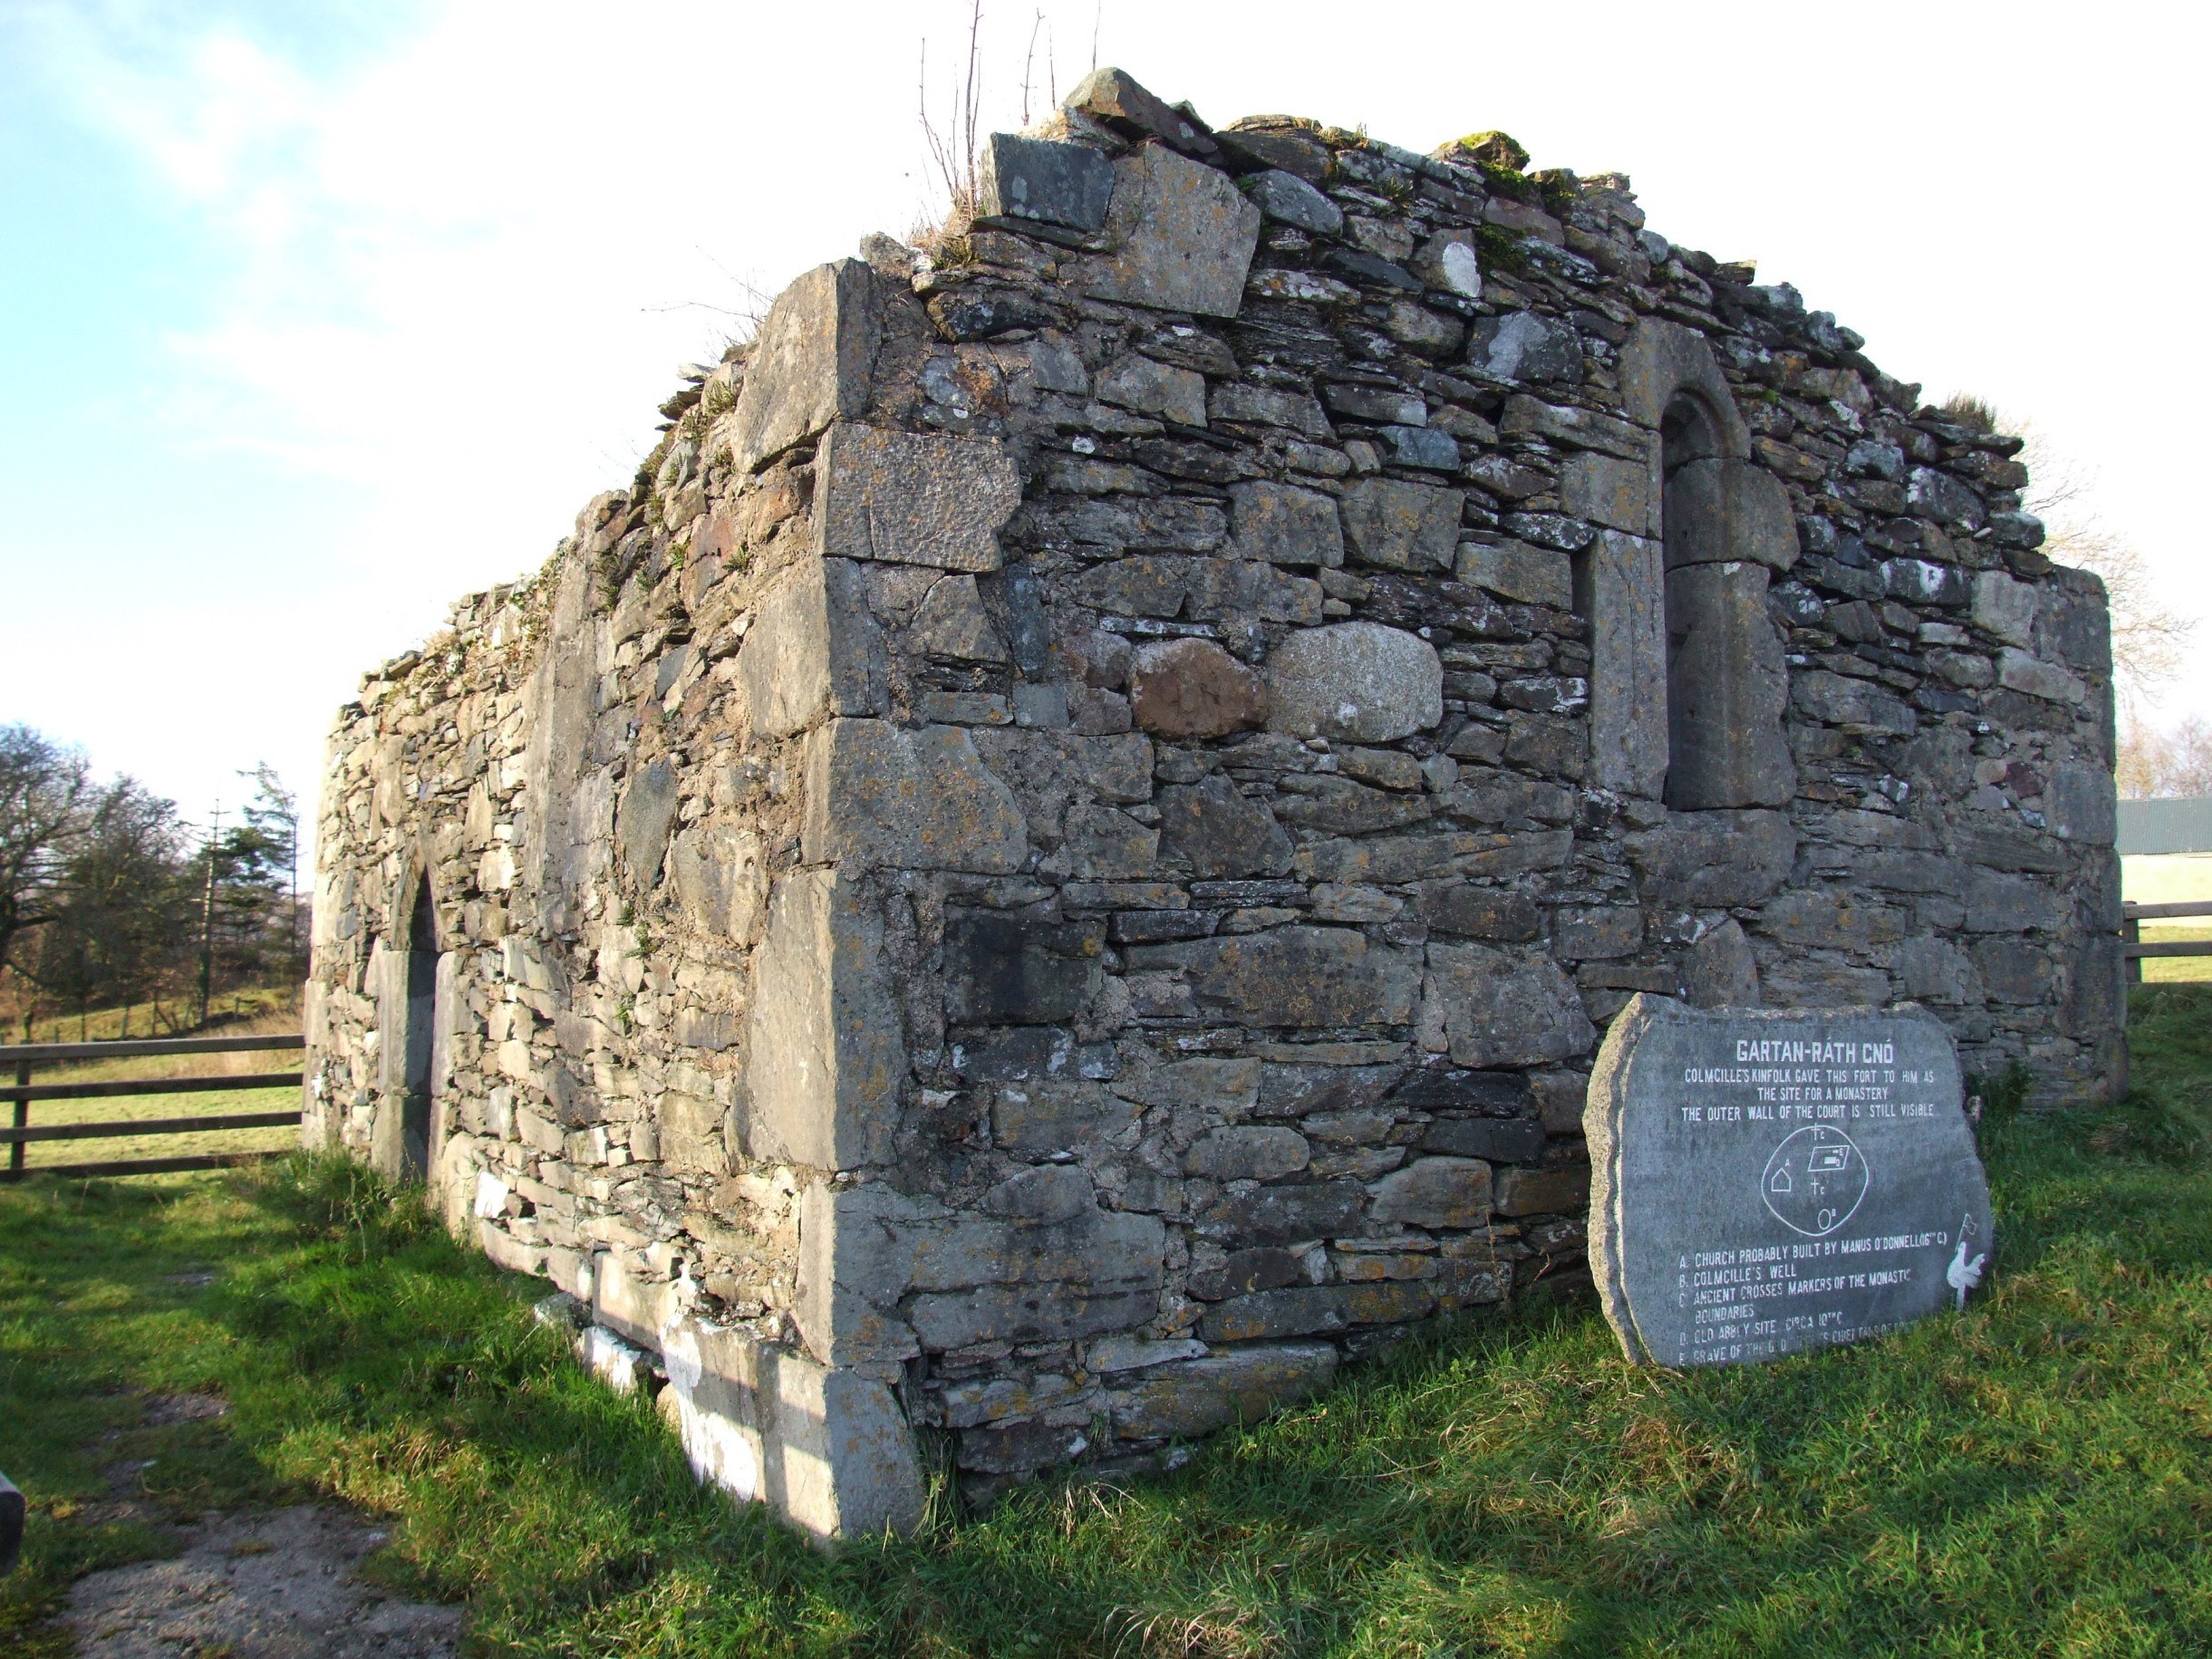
1053	869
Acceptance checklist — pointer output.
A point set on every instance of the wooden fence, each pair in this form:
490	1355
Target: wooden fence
24	1055
2133	915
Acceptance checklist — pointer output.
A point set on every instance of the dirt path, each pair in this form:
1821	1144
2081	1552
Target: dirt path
275	1585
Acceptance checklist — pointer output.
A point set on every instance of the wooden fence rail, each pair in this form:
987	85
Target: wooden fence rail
24	1055
2131	919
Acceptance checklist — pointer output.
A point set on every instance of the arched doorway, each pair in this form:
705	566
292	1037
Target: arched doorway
409	1018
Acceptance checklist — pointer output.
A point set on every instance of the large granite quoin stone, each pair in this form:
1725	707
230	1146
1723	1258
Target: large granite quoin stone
913	498
1764	1182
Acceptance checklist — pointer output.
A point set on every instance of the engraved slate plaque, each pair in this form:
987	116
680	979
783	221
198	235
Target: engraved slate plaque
1765	1181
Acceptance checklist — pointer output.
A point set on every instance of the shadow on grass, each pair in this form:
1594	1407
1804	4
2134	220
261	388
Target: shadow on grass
2027	1476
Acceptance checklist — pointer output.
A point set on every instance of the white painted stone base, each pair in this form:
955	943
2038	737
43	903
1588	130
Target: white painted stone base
620	1365
828	1450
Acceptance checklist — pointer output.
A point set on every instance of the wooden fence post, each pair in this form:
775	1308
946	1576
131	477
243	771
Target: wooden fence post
22	1121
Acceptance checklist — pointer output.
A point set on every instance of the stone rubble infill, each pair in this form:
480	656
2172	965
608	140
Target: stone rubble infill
1053	867
279	1585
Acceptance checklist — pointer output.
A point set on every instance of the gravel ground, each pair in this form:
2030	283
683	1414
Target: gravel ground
275	1586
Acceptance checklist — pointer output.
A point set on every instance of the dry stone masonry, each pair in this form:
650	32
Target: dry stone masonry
1054	866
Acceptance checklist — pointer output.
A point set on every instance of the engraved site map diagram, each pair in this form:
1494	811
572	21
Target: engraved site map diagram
1815	1181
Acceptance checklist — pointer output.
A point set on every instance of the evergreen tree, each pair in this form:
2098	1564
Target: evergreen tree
256	870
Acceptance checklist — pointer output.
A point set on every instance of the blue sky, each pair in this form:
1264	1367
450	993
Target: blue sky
313	318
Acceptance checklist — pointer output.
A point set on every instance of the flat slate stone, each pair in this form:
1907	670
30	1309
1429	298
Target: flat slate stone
1059	192
1182	236
1769	1182
1287	197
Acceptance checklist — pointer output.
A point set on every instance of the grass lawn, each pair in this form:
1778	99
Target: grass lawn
2033	1476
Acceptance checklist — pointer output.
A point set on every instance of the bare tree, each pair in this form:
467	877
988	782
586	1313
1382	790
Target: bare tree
2148	638
2135	765
124	903
2156	765
44	800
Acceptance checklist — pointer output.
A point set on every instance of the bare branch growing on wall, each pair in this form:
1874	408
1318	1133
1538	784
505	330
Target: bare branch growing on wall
1029	66
954	149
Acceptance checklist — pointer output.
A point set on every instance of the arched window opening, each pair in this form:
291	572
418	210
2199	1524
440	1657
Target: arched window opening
1688	431
1723	523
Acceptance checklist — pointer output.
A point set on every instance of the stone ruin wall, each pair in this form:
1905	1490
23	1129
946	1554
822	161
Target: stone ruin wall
1054	866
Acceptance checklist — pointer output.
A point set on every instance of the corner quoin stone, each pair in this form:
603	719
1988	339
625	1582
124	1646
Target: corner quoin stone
828	1448
813	650
826	1057
812	364
913	498
877	795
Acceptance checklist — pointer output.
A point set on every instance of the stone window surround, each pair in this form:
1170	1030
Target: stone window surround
1643	607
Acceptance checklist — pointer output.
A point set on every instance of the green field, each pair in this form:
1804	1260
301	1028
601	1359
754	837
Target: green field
2032	1477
